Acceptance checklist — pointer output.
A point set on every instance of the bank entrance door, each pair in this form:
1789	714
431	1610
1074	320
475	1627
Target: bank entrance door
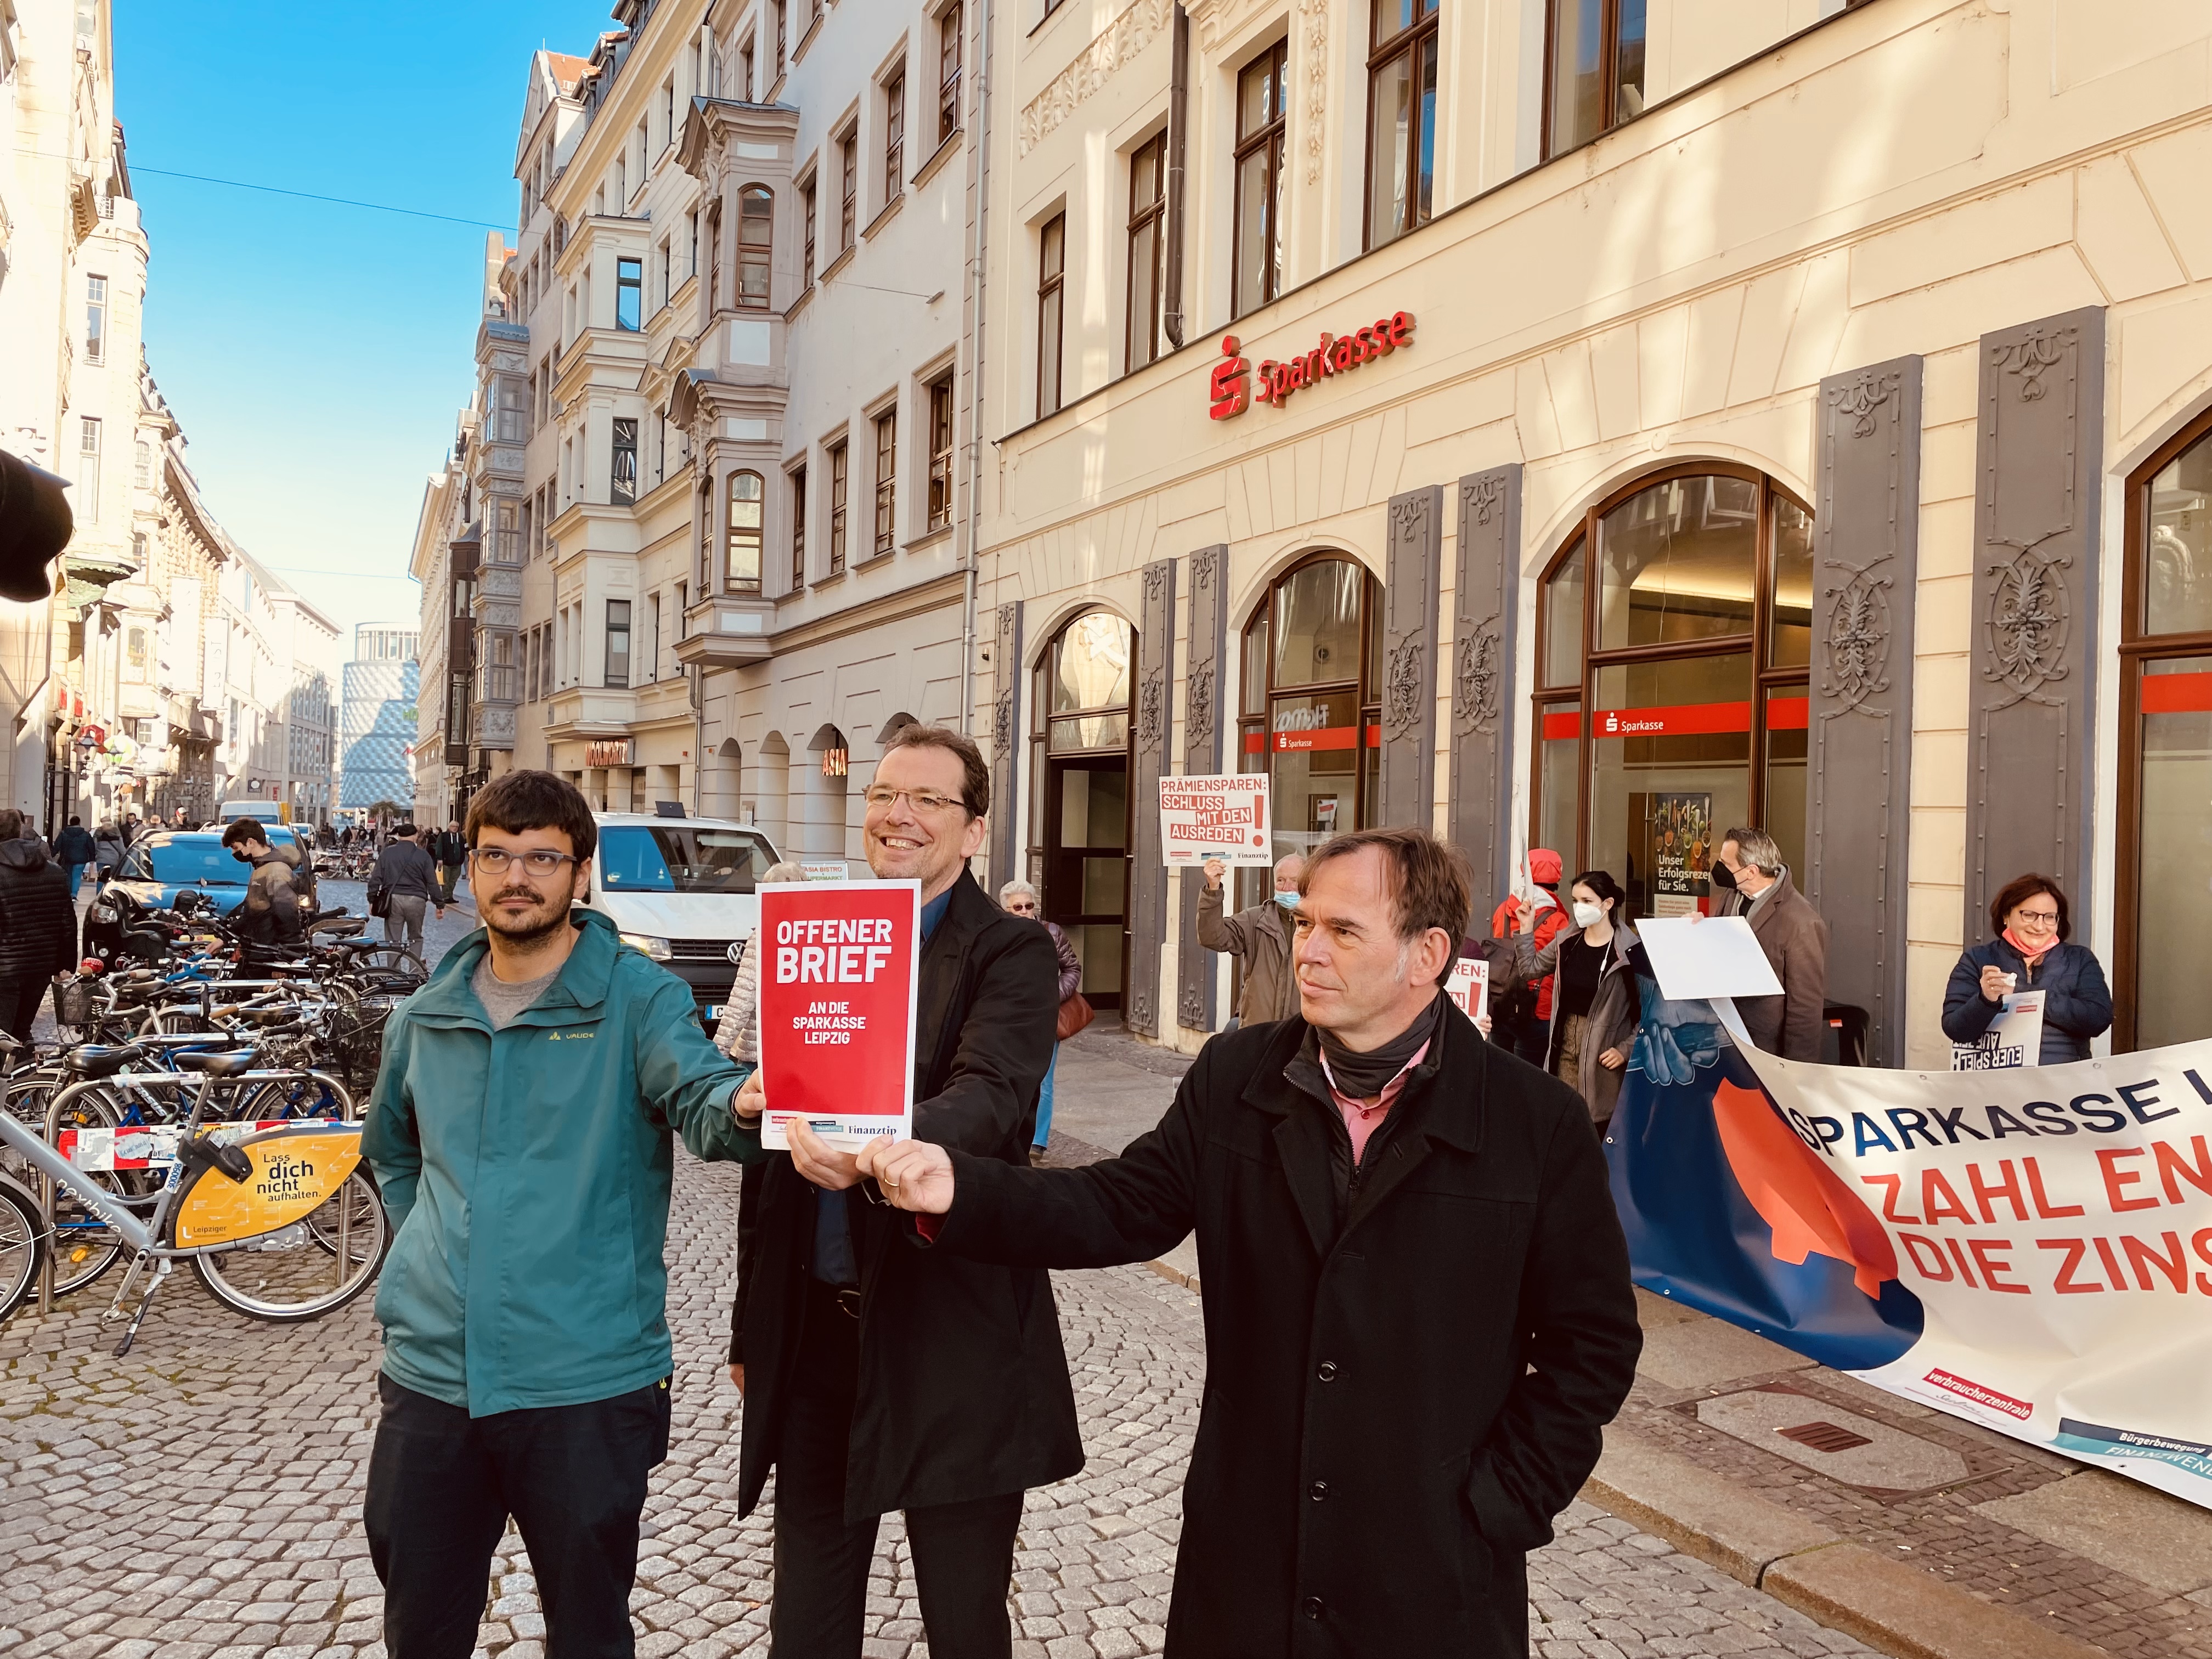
1675	630
1079	839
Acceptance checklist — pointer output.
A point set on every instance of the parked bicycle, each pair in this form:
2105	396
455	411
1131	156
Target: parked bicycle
283	1223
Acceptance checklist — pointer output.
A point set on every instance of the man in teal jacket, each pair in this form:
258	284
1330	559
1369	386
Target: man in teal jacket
521	1134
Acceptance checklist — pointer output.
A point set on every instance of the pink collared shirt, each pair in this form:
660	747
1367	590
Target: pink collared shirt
1359	1120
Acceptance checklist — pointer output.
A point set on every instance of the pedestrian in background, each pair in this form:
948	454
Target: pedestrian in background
107	851
450	852
1018	898
269	914
1529	1027
736	1032
407	879
38	924
1406	1376
2031	953
1750	871
1596	1003
73	850
1261	935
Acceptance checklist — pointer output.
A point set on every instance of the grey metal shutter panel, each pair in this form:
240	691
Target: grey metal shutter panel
1481	807
1203	720
1409	659
1866	539
1148	884
1006	746
2039	460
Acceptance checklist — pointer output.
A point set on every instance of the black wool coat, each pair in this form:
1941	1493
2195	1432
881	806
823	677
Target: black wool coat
38	919
1407	1375
964	1389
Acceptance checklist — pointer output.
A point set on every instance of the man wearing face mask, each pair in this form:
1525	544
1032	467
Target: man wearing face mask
270	914
1749	870
1261	935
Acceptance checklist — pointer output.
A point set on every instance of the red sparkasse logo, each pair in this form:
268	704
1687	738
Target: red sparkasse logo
1981	1395
1230	389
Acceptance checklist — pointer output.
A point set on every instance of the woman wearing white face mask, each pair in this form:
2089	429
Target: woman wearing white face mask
1595	1002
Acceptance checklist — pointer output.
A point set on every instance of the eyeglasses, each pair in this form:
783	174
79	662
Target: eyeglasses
1021	909
538	861
2038	918
881	798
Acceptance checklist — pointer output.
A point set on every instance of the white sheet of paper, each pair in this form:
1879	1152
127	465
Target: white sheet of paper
1718	957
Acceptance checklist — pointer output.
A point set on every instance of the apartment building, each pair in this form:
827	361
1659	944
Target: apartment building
721	411
1586	423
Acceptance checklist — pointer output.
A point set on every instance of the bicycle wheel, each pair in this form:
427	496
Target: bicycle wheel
23	1243
84	1246
316	1096
294	1275
389	961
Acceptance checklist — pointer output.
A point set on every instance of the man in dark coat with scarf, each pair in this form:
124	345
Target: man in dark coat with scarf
1418	1316
877	1376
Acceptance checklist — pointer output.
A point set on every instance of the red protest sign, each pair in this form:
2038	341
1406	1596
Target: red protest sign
837	988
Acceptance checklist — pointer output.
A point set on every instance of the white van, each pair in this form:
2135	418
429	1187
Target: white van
262	811
680	890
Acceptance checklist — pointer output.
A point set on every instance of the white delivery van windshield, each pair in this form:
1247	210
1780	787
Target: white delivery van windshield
677	857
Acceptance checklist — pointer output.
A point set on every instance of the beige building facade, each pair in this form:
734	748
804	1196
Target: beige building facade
1599	441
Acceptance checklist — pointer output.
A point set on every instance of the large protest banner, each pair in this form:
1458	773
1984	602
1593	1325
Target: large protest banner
2029	1248
1222	817
838	988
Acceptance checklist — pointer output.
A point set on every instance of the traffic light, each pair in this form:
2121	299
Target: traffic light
35	523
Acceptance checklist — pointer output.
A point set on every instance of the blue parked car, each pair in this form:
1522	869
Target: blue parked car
172	861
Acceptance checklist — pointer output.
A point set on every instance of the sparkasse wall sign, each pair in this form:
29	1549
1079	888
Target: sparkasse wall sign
1231	385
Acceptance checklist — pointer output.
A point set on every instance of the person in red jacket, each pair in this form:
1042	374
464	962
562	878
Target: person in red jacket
1543	916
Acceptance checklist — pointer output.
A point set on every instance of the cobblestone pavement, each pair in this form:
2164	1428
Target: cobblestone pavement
199	1500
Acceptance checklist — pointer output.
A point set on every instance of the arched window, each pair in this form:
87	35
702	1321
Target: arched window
1680	611
1078	854
2163	919
1311	715
741	571
756	234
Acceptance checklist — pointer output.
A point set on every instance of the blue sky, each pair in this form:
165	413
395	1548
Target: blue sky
317	355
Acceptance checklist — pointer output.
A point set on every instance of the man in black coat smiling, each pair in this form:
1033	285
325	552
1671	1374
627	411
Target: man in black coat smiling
877	1376
1418	1316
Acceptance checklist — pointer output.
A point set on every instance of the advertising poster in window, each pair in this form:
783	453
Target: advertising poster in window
1678	841
1223	817
837	990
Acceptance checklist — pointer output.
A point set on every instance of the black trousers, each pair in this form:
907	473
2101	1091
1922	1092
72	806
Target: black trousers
18	1005
442	1484
963	1553
1535	1037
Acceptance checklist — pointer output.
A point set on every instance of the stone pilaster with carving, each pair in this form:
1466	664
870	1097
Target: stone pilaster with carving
1148	886
2038	462
1866	516
1480	670
1204	730
1411	580
1006	744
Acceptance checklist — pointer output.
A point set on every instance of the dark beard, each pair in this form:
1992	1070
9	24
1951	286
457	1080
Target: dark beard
525	937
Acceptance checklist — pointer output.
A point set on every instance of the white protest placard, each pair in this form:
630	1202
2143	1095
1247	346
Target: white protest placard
1469	986
838	986
1222	817
2015	1037
1705	957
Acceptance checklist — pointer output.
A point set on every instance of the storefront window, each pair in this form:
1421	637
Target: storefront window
2164	914
1697	718
1312	656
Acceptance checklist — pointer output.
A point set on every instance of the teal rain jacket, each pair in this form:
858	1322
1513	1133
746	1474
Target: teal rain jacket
526	1173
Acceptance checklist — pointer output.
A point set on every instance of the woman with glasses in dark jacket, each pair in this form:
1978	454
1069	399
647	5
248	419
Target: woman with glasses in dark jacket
2031	953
